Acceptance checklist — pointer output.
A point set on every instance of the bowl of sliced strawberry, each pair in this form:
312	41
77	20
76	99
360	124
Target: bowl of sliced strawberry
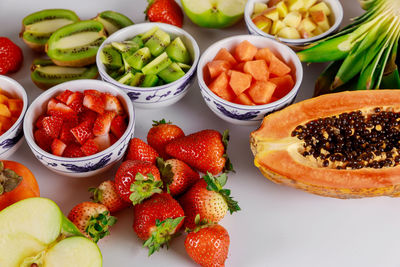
80	128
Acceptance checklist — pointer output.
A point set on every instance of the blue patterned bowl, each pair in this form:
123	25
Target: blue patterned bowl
13	138
84	166
337	11
158	96
244	114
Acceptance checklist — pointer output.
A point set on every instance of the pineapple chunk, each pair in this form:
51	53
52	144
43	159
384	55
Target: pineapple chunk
289	33
277	26
318	31
295	5
293	19
321	19
309	3
263	23
15	106
259	8
4	111
307	25
272	13
272	3
321	6
305	34
282	9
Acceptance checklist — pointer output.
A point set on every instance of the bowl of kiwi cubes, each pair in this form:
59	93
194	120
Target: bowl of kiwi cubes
154	63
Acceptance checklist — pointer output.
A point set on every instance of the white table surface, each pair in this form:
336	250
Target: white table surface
278	226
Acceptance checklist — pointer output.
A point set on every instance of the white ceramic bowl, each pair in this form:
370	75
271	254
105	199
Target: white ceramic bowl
158	96
84	166
336	17
244	114
13	138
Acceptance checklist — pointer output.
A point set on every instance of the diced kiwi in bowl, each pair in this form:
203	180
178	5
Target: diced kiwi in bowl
153	62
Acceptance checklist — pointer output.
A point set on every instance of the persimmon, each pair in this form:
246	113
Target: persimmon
17	182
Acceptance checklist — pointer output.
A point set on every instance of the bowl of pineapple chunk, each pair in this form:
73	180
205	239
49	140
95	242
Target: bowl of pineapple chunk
13	106
295	22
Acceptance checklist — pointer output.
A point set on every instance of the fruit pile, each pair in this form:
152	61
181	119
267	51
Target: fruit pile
71	44
80	124
167	193
10	109
249	75
293	19
147	60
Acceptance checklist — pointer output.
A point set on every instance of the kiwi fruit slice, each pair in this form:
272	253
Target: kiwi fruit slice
157	42
76	45
171	73
126	46
38	27
113	21
146	36
140	58
184	67
46	74
138	39
127	78
150	80
157	64
111	58
177	51
138	79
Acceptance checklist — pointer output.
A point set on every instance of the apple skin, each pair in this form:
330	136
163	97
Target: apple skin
211	18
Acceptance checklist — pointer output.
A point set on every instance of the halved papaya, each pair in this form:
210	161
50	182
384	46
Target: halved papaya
343	145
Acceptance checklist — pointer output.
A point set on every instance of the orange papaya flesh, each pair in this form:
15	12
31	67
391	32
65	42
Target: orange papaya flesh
283	154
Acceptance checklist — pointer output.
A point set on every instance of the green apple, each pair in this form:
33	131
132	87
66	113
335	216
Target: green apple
214	13
35	231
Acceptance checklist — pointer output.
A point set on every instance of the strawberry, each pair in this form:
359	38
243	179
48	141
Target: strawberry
82	132
103	123
118	126
43	140
65	135
111	103
93	100
58	147
73	151
10	56
56	108
88	116
107	195
52	125
89	148
208	245
113	139
102	141
161	134
92	219
204	151
209	199
177	175
63	97
156	220
165	11
39	121
75	102
139	150
137	180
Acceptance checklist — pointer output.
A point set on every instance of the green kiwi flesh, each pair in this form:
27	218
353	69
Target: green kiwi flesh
157	64
139	59
157	42
46	74
76	44
111	58
38	27
113	21
171	73
177	51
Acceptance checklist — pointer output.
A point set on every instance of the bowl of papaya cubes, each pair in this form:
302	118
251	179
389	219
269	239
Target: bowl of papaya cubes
13	106
243	78
154	63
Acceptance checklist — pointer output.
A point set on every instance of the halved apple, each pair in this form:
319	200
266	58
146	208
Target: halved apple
214	13
34	230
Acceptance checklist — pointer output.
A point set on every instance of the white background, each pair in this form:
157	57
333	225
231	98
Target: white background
278	226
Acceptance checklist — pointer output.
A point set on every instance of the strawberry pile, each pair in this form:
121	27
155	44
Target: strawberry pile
168	193
80	124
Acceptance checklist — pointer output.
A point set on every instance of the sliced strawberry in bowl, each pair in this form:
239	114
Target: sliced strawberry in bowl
66	135
103	141
102	124
82	132
54	107
118	126
52	125
90	147
75	101
73	151
63	97
43	140
58	147
111	103
93	100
